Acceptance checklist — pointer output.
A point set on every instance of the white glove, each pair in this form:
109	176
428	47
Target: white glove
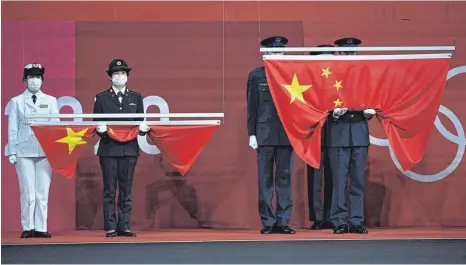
253	142
12	159
101	128
369	112
144	128
338	112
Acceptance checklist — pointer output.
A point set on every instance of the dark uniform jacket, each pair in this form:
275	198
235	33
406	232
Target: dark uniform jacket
324	134
349	130
262	116
107	102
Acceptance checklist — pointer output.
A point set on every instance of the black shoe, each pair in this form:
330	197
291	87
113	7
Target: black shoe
27	234
111	234
317	225
285	230
42	234
267	230
358	229
327	225
125	233
341	229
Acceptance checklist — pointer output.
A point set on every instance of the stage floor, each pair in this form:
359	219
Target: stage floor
221	235
214	246
388	246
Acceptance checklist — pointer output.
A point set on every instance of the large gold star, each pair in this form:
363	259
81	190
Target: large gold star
326	72
337	102
73	139
296	90
338	84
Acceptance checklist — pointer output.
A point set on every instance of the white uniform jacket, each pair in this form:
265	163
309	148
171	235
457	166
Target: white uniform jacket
21	139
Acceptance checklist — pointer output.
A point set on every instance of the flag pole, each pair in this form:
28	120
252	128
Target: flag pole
126	115
38	119
329	57
357	49
128	123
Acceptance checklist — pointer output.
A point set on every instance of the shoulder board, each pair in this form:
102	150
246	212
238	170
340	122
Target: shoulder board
134	93
102	93
258	69
50	97
18	97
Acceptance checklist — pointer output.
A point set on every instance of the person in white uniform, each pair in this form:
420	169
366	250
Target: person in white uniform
25	152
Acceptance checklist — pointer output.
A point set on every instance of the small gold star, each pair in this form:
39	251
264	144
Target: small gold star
337	102
326	72
338	84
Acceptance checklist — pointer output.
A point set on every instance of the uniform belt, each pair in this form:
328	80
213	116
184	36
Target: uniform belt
353	116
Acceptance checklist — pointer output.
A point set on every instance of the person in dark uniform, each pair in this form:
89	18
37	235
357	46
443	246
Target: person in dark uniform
319	212
268	137
347	145
118	160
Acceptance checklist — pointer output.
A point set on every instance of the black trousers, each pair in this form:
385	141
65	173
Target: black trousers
266	156
344	160
318	210
117	170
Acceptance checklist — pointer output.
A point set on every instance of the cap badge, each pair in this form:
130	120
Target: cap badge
278	39
349	41
118	63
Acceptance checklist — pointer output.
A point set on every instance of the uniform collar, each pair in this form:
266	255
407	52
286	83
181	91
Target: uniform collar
39	94
115	90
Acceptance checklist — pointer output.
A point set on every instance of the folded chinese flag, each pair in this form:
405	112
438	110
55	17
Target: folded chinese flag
180	145
62	145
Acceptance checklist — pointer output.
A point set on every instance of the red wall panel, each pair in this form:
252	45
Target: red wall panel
188	65
440	11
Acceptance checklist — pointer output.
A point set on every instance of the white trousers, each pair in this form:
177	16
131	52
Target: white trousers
35	175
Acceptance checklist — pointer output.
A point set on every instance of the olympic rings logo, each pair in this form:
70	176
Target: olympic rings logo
458	139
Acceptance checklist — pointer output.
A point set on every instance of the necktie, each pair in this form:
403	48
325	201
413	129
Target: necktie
34	97
120	96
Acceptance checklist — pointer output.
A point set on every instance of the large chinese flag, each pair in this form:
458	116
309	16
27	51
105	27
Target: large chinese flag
406	91
62	145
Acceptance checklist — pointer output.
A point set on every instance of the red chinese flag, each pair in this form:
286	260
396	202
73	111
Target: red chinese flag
123	133
181	145
405	90
62	145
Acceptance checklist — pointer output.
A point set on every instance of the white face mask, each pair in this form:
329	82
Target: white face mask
34	84
119	81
